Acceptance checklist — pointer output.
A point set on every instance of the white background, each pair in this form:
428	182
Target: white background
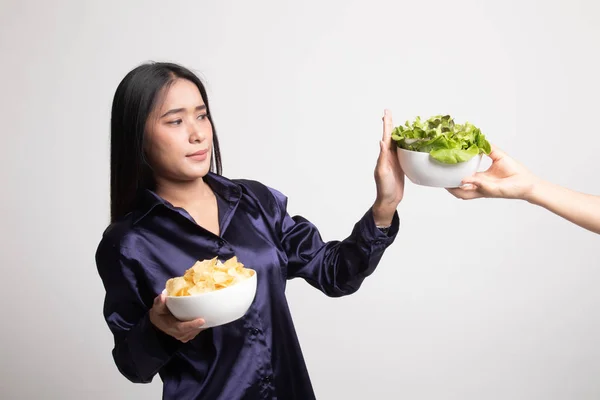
488	299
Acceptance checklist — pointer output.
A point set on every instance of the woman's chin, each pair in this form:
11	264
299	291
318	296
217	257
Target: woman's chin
197	173
186	175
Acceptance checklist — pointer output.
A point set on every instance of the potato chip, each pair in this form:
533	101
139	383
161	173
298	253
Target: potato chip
176	285
208	275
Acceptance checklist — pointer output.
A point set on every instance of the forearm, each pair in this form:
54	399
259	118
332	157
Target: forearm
579	208
337	268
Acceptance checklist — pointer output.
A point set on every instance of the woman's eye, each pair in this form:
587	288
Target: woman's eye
176	122
201	116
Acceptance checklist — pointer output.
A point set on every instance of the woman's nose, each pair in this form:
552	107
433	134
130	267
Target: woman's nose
196	133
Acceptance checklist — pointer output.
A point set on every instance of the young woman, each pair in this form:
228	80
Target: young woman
508	179
170	206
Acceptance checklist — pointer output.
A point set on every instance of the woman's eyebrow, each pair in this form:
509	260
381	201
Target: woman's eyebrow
178	110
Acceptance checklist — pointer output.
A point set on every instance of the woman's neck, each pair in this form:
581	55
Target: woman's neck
183	194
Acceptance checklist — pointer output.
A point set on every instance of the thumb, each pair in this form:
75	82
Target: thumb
496	154
160	304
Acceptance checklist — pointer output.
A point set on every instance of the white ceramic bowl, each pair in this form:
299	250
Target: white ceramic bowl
422	169
216	308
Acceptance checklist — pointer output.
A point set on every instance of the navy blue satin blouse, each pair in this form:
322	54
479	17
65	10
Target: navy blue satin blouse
258	356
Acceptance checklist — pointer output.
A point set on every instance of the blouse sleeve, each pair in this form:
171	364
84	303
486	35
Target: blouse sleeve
337	268
140	349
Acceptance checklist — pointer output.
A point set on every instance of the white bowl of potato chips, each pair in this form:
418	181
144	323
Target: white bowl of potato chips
218	292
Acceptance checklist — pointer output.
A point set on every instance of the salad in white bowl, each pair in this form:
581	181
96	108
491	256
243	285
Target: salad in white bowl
439	152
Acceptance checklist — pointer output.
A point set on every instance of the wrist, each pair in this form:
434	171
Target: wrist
535	194
383	214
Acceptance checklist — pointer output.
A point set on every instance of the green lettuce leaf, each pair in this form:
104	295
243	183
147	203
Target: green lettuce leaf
444	140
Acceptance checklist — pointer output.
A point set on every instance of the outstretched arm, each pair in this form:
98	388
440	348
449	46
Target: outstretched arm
580	208
508	179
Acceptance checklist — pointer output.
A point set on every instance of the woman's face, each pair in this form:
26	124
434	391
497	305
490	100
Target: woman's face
179	138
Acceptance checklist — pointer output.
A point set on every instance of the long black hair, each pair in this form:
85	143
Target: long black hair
135	98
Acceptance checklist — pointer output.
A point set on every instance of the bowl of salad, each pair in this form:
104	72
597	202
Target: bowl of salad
438	152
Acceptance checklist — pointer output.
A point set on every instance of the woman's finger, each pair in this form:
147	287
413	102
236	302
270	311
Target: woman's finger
482	183
189	336
471	181
160	305
191	326
382	153
387	127
465	193
186	337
